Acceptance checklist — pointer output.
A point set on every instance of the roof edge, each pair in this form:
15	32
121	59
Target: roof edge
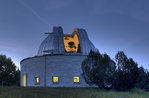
66	54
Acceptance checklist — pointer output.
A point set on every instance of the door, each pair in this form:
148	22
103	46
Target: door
24	80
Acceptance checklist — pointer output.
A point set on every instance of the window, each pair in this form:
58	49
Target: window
55	79
76	79
36	80
24	80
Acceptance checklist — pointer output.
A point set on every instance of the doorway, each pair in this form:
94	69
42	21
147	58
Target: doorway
24	80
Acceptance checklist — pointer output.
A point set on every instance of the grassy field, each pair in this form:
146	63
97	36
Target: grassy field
48	92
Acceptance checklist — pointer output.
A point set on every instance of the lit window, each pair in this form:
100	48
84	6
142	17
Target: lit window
24	80
76	79
55	79
36	80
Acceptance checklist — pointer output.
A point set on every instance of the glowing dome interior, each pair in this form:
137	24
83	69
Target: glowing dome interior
59	43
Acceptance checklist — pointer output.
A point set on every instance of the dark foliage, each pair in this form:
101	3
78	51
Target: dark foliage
8	73
143	79
123	75
98	69
126	73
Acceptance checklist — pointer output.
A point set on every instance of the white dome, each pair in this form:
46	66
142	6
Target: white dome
54	42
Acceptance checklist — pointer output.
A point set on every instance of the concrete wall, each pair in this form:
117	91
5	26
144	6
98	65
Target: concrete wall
44	67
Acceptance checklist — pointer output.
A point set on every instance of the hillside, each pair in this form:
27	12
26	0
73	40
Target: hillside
48	92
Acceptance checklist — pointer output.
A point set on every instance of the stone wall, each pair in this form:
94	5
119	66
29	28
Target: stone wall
44	67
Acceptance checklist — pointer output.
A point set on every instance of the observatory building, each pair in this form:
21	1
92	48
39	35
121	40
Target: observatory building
58	61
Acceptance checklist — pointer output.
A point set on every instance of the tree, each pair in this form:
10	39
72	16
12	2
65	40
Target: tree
98	69
146	86
127	71
17	77
143	79
140	83
7	71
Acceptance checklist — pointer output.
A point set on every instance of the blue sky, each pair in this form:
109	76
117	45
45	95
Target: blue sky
112	25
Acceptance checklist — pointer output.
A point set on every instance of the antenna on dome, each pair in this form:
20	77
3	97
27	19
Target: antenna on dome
48	32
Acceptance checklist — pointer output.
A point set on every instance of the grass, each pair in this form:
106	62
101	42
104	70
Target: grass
63	92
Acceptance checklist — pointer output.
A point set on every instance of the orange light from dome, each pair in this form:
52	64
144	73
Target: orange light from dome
71	42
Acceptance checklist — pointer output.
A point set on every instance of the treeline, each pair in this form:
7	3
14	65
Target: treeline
9	74
123	74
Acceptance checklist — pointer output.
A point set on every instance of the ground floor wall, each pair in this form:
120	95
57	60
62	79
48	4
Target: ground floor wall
65	67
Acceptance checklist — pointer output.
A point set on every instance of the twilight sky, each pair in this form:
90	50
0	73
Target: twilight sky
112	25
